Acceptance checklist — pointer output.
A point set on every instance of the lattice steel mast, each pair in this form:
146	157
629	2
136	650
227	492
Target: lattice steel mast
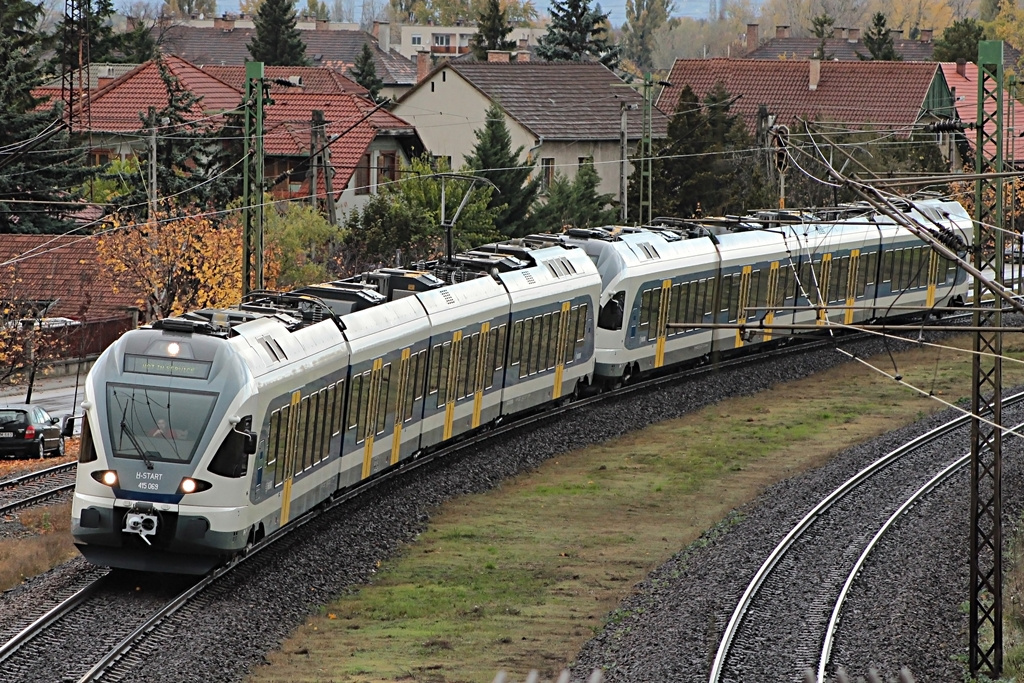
987	381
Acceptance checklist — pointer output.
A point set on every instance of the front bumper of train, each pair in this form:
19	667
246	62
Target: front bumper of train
188	539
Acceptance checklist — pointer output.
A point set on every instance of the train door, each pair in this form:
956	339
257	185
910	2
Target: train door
450	384
479	346
851	286
286	465
402	387
743	299
933	276
375	391
663	308
824	274
561	321
773	298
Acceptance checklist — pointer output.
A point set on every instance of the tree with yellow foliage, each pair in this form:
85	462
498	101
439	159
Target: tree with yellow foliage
174	264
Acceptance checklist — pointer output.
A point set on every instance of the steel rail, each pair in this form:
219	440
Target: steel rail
29	476
932	484
36	498
787	542
42	623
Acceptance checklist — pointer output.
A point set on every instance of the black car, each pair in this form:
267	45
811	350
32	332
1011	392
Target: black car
27	430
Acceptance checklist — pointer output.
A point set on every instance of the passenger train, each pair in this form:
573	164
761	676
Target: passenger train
206	432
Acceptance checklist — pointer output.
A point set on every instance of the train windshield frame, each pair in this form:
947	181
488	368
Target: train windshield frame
157	424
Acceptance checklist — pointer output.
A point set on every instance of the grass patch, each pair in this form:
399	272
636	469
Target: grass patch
21	558
519	578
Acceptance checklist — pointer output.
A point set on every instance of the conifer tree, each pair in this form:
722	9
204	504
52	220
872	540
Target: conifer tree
959	41
879	43
364	72
493	158
37	165
492	29
277	41
576	31
576	203
644	19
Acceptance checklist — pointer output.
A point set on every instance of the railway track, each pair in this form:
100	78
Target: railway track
36	487
795	599
128	642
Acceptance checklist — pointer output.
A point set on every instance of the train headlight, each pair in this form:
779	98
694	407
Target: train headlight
106	477
190	485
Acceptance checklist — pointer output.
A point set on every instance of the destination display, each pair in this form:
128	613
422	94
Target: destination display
170	367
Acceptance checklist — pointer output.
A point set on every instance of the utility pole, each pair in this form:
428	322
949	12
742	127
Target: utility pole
986	545
645	153
252	178
152	164
314	157
624	159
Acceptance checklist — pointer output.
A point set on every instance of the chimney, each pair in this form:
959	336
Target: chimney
224	23
926	35
853	35
323	25
523	56
961	67
751	37
422	65
499	56
896	33
782	32
523	43
382	32
815	73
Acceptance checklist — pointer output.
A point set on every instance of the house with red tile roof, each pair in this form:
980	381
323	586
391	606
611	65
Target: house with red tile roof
224	41
963	80
563	114
366	147
901	97
59	277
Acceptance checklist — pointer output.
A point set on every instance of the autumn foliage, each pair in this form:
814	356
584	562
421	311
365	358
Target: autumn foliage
174	264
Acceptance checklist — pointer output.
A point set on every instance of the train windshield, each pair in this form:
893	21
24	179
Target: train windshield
157	424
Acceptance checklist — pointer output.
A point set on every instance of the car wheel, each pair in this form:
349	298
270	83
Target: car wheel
42	449
59	452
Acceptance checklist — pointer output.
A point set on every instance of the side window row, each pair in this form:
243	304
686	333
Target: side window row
543	342
300	433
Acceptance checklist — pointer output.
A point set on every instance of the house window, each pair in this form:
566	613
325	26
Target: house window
362	175
442	40
547	172
386	168
586	161
100	157
442	162
417	39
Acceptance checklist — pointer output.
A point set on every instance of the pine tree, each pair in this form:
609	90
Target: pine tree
492	157
879	43
364	72
822	28
277	41
492	29
103	45
959	41
190	163
37	165
576	31
576	203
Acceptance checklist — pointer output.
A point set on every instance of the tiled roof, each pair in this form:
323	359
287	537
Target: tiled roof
338	49
846	50
65	269
116	108
560	100
97	70
315	80
966	86
889	94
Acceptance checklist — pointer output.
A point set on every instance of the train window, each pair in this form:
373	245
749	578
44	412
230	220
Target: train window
443	359
610	315
472	358
339	405
645	313
325	423
353	408
516	352
435	369
918	267
581	330
421	374
524	355
411	388
842	270
872	270
272	445
806	283
730	296
540	332
555	334
653	329
951	271
682	301
300	436
362	405
784	287
493	360
500	342
385	397
887	265
306	435
863	273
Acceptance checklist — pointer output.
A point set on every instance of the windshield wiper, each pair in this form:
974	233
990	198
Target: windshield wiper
125	429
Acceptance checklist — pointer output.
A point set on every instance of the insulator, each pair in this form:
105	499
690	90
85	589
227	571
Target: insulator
950	239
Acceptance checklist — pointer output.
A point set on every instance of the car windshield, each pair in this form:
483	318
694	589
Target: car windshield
157	424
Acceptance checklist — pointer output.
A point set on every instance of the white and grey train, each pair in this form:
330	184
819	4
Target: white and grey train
206	432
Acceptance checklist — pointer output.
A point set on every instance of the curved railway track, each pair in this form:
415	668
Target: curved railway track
785	622
36	487
151	620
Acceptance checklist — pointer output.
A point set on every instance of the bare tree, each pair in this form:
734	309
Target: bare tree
343	11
